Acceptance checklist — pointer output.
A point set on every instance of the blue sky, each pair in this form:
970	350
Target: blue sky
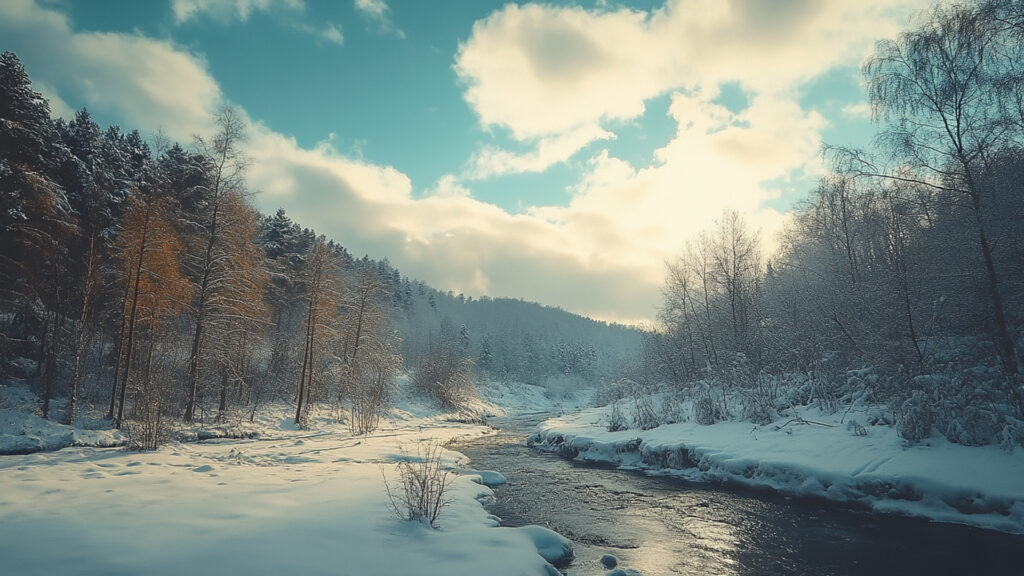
557	152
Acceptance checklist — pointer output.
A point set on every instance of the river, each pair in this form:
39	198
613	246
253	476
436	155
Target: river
660	525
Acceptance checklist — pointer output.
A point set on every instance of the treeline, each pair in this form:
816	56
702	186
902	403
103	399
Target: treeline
900	280
138	278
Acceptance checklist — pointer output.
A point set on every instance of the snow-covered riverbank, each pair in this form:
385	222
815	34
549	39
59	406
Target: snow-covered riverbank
289	501
982	486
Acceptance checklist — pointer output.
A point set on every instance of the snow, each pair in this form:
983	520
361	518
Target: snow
487	477
981	486
510	398
23	432
554	547
281	501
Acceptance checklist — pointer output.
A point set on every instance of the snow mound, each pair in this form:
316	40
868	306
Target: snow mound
488	478
551	545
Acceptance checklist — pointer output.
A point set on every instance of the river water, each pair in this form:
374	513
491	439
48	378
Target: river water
660	525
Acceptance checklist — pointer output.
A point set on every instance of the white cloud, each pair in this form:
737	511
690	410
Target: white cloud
378	12
643	216
58	107
448	186
547	74
332	33
229	11
150	83
540	70
225	11
372	8
857	110
491	161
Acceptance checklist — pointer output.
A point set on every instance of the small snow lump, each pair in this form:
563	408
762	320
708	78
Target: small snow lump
551	545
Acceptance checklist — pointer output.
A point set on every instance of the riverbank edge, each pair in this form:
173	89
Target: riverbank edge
655	452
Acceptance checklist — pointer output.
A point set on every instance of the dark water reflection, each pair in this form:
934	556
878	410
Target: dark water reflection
658	525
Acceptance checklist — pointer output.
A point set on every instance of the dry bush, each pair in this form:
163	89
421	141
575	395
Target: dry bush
422	492
446	374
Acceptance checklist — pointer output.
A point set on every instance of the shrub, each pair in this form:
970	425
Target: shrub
371	390
616	419
446	373
422	492
645	417
916	419
705	411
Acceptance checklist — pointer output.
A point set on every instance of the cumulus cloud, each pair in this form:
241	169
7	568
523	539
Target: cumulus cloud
445	237
150	83
539	70
551	74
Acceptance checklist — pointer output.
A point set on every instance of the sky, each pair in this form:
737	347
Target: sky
559	152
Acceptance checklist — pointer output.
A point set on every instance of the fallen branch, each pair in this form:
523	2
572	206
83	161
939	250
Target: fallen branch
799	420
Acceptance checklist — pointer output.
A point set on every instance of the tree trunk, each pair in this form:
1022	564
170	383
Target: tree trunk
69	418
223	394
306	355
204	286
117	354
51	362
1003	339
131	323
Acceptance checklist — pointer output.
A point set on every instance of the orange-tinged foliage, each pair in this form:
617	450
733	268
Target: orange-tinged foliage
145	233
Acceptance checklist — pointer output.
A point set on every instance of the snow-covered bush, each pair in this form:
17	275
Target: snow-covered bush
1012	434
705	411
974	426
616	419
644	415
916	418
445	373
856	429
612	391
422	492
675	407
879	416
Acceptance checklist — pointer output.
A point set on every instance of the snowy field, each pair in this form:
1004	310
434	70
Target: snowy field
289	501
982	486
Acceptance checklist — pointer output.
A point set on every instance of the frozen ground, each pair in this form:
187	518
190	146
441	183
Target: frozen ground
982	486
289	501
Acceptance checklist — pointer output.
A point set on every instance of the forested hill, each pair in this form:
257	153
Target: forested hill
136	276
507	338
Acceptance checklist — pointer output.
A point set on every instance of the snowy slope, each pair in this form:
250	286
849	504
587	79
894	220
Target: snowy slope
982	486
511	398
